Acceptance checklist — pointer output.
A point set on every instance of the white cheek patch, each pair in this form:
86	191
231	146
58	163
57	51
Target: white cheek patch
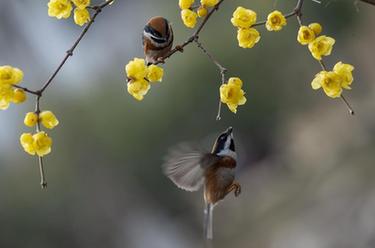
229	153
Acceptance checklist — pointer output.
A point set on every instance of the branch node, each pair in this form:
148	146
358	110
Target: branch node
180	48
69	52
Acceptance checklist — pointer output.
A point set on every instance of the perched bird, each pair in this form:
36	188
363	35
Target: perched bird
190	168
157	39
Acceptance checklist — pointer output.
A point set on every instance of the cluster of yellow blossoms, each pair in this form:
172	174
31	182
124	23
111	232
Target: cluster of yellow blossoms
40	143
139	76
63	8
332	82
244	19
189	16
318	45
10	76
232	94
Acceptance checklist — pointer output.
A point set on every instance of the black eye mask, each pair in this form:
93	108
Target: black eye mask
155	35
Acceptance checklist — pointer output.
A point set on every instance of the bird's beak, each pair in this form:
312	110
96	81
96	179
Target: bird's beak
229	130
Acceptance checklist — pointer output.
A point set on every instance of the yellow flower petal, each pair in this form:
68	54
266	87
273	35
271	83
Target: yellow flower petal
275	21
19	96
81	16
305	35
185	4
189	18
136	69
243	18
247	37
48	119
31	119
59	8
155	73
209	3
321	46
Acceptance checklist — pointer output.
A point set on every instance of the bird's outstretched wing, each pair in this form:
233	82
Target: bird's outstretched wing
185	166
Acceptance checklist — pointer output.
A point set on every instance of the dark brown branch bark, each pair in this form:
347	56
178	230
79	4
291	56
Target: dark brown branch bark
369	1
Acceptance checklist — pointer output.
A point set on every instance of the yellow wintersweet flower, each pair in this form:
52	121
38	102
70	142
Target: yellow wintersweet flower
316	27
189	18
202	11
48	119
275	21
321	46
138	88
136	69
185	4
305	35
31	119
247	37
19	96
59	8
209	3
81	16
345	72
330	81
243	18
6	95
232	94
155	73
38	143
81	4
10	75
26	141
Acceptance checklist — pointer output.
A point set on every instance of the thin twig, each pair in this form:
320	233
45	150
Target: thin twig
296	12
69	52
179	48
43	181
322	65
222	70
26	89
97	9
369	1
350	109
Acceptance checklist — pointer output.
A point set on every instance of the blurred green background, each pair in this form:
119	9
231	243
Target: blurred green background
305	165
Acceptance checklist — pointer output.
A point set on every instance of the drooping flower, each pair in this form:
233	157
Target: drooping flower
243	18
209	3
138	88
48	119
81	16
185	4
345	72
275	21
232	94
136	69
19	96
321	46
189	18
31	119
316	27
305	35
81	4
330	81
39	143
202	11
155	73
10	75
59	8
247	37
6	95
